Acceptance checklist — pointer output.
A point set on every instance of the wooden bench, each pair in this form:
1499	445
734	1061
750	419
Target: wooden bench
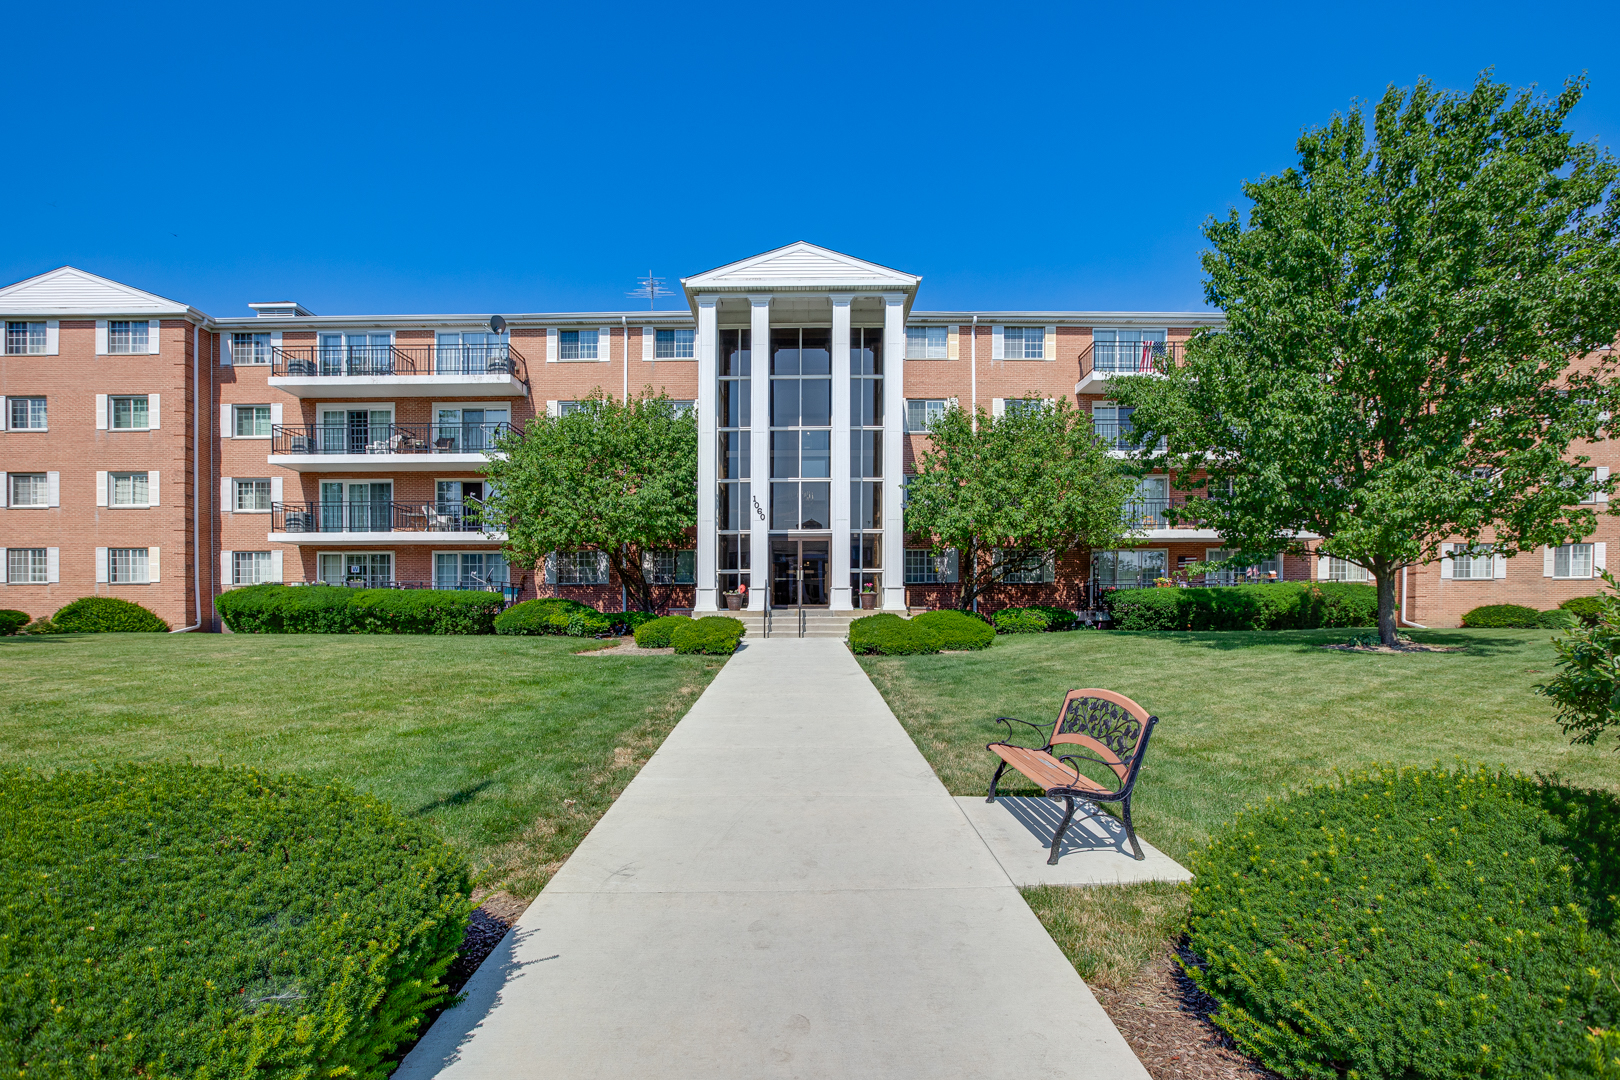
1106	728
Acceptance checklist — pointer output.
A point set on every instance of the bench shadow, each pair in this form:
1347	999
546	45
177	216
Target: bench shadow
1093	828
23	641
455	798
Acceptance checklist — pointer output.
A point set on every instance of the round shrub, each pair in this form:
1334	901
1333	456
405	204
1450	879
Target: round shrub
1557	619
957	629
1502	616
887	634
41	625
1020	621
12	621
1588	609
713	635
174	920
551	616
1411	923
655	634
107	615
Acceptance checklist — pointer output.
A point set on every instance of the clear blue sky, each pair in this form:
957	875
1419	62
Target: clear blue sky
446	158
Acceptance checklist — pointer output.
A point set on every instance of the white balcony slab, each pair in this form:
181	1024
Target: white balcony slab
331	540
384	463
334	387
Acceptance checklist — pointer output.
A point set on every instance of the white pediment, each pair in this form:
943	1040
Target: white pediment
70	291
801	266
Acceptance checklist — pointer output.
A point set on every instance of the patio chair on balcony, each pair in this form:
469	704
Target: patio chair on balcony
444	444
437	522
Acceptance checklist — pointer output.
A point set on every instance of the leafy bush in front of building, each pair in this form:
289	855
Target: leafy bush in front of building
887	634
1294	605
1412	923
1557	619
1035	619
1585	608
536	617
1502	617
957	630
655	633
41	625
107	615
169	920
12	621
1586	690
712	635
333	609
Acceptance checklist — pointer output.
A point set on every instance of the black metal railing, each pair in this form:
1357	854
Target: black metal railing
380	515
508	592
1161	513
361	436
358	360
1130	357
1119	435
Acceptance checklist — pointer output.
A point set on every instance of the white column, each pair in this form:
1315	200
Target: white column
894	415
759	443
708	464
838	564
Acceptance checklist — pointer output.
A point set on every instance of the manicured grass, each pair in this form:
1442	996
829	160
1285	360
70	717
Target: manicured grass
1242	716
512	746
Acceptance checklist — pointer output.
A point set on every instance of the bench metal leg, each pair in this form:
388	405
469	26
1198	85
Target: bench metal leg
1130	831
1057	837
996	779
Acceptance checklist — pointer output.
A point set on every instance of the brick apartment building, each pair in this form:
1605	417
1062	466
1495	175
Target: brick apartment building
157	453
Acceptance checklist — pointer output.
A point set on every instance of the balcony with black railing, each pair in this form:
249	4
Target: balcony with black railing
424	522
1103	359
1118	436
374	446
1174	511
416	370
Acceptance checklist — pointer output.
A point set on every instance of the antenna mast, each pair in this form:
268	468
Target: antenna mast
651	288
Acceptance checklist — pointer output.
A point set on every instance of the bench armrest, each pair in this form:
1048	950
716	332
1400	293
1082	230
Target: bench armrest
1008	721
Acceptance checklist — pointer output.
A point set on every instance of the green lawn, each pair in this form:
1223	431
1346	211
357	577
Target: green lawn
1242	716
512	746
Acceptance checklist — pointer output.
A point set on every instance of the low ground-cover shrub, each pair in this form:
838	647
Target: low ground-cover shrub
12	621
713	635
332	609
1035	619
41	625
957	629
655	633
1294	605
887	634
107	615
1502	616
1412	923
174	920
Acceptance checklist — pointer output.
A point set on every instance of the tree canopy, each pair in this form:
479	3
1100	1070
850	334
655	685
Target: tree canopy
1413	318
1035	481
614	476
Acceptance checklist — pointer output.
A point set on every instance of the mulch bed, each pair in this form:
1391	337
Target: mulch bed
1165	1019
485	929
627	647
1406	646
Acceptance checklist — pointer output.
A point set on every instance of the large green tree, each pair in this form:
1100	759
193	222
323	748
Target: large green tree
1036	481
615	476
1412	313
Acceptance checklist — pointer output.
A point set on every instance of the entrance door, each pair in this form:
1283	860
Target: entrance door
799	573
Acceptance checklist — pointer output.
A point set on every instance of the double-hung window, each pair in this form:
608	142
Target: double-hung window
1024	342
252	421
27	566
930	342
128	566
1025	567
249	349
673	567
250	567
1344	570
25	338
577	344
923	567
1472	562
25	413
1129	568
580	568
252	495
469	570
1572	561
1022	406
671	345
128	489
28	489
129	413
922	412
125	337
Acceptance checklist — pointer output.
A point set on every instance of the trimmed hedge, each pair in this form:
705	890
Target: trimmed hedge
957	629
1294	605
1413	923
107	615
1588	609
1035	619
1557	619
887	634
655	634
13	621
1503	616
559	615
712	635
333	609
169	920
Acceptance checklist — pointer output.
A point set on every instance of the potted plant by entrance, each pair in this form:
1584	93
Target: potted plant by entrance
868	597
734	600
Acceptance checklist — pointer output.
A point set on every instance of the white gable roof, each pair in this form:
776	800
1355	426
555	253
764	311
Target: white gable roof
70	291
801	266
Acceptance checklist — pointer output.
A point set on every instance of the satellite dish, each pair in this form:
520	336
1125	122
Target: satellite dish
497	325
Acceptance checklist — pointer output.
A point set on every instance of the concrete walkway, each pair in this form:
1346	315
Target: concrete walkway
784	890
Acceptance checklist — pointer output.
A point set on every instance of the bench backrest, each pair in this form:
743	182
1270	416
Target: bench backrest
1110	725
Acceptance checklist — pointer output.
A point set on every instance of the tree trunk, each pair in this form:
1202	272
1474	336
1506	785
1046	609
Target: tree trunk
1386	608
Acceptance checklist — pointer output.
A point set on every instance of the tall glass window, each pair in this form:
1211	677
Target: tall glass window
866	459
801	429
734	414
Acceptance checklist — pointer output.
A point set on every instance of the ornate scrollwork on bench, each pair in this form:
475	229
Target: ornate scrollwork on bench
1108	723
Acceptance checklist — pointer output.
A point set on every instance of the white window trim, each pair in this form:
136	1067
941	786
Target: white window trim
53	491
275	493
5	411
433	561
603	570
393	559
105	484
104	568
53	566
604	345
252	405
